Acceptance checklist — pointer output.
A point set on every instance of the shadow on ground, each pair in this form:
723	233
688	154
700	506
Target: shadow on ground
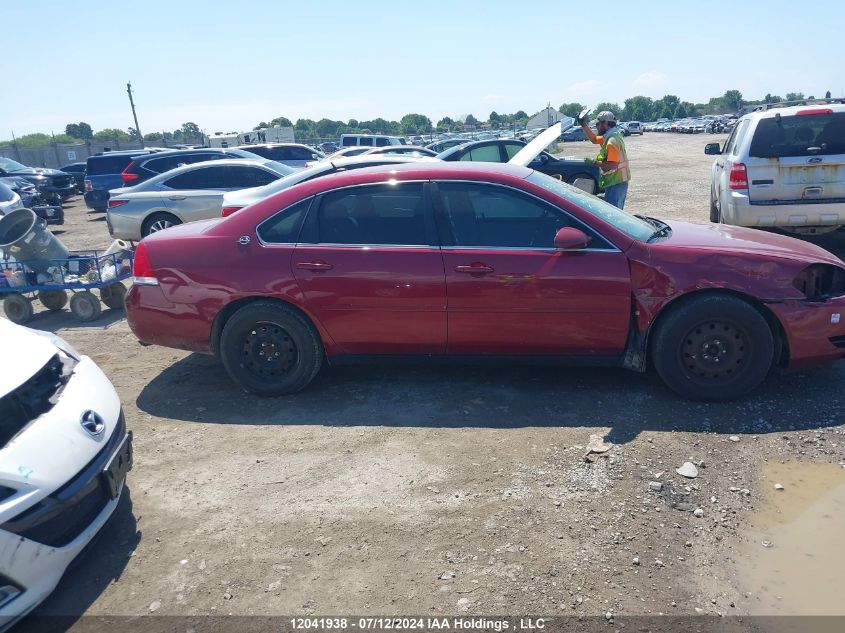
100	565
53	321
197	389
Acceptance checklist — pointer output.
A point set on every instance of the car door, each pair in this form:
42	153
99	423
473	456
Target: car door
198	194
370	271
511	292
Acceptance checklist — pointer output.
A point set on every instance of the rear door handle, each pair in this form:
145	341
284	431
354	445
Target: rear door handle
476	268
177	197
315	266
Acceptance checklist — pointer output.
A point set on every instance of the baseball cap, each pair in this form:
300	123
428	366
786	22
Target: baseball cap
606	115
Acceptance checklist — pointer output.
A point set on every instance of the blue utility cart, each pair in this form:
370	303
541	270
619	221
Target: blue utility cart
53	281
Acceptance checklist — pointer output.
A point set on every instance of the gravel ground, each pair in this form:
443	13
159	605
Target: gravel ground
433	491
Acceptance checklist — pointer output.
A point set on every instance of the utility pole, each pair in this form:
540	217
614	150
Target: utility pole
134	116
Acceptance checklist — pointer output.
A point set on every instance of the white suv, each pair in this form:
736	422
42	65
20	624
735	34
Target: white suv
782	167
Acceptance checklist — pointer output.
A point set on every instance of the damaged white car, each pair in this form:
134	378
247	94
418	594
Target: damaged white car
64	456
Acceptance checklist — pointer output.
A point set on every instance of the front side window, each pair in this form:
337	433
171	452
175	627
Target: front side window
512	149
243	177
377	214
483	215
366	140
382	141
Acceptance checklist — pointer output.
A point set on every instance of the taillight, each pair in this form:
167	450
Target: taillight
127	176
227	211
88	186
117	202
738	178
142	269
812	111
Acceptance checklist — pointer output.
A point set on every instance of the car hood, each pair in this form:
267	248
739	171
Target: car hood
31	352
38	171
541	142
739	239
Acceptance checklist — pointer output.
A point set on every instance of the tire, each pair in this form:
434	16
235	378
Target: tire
85	306
158	222
18	308
53	299
267	327
713	347
715	215
112	295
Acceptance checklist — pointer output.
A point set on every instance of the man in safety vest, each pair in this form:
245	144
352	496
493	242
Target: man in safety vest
612	159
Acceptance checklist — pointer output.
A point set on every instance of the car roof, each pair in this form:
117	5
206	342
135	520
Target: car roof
188	152
270	145
793	110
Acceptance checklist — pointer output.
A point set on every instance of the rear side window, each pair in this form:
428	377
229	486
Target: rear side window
795	135
349	141
381	141
486	154
101	165
365	140
378	214
161	165
736	138
203	178
284	227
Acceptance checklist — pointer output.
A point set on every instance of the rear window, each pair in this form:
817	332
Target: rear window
795	135
101	165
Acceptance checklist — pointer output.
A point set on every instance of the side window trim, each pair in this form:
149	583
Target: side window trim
445	234
310	233
308	213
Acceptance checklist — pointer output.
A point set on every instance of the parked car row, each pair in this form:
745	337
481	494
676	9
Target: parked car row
708	124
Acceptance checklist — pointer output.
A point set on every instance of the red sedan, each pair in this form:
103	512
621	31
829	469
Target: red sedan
462	261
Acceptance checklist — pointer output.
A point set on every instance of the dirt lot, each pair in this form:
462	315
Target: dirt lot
429	491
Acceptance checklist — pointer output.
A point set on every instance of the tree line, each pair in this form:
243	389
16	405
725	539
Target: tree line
637	108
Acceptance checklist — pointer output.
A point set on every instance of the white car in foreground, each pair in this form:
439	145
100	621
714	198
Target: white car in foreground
64	455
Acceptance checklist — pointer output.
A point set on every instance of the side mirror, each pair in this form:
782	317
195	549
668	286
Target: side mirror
571	239
712	148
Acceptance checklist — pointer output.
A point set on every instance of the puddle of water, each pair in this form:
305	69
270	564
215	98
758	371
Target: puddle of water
802	572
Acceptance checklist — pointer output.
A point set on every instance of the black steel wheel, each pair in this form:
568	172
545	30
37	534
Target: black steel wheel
712	347
270	348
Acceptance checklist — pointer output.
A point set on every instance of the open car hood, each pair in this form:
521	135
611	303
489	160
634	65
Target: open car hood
26	353
533	149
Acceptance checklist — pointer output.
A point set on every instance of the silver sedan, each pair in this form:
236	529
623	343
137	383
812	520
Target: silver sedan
185	194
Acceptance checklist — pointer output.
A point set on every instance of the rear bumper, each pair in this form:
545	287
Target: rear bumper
124	227
154	320
738	210
815	332
97	199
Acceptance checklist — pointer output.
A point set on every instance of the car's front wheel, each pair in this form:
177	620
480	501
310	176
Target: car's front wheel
270	349
713	347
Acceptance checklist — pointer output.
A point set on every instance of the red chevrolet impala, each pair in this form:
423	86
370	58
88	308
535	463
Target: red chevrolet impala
463	261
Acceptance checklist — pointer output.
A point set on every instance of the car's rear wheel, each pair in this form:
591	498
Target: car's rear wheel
715	214
270	349
158	222
713	347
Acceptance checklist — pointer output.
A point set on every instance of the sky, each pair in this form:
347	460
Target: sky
228	65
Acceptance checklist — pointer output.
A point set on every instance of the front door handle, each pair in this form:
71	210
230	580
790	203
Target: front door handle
476	268
177	197
317	266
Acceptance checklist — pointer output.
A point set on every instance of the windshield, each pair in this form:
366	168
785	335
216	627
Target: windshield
7	164
628	224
